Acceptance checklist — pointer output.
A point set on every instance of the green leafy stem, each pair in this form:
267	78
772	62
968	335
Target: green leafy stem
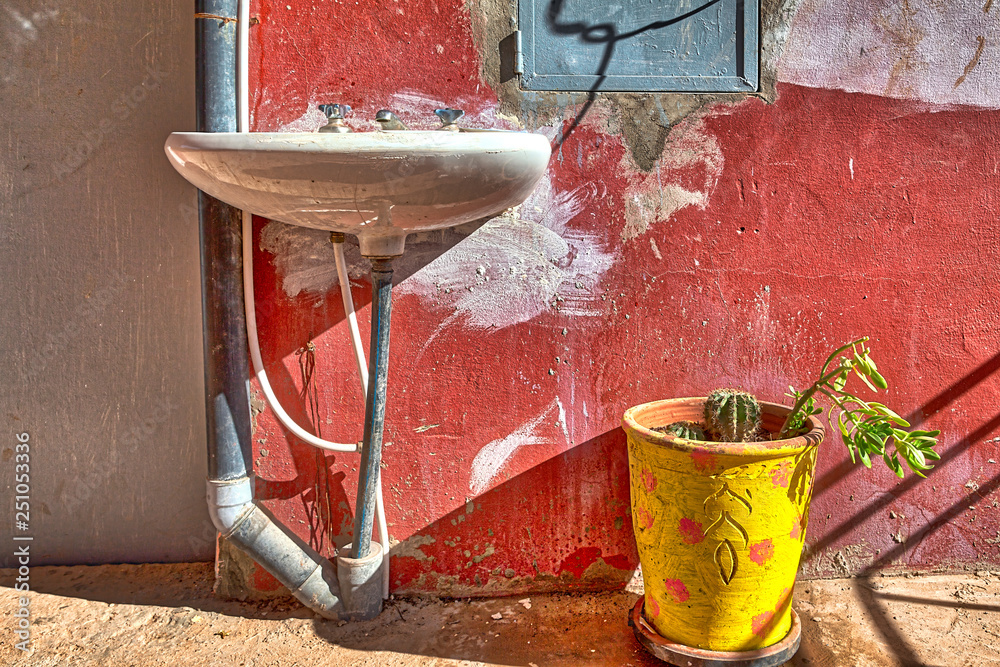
869	429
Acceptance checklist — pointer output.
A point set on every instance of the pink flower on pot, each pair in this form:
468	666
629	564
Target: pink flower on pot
676	590
782	475
761	552
649	480
644	517
762	623
704	461
691	531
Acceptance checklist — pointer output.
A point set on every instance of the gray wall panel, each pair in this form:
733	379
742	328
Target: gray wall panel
100	343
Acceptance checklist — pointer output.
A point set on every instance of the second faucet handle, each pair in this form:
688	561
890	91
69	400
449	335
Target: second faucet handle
449	118
335	114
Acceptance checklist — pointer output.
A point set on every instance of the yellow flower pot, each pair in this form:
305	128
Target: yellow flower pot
719	527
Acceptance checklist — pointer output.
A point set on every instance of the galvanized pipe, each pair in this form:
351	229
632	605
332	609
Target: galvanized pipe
378	372
225	342
309	576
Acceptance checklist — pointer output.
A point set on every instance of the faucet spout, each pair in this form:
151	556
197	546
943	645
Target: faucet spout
388	121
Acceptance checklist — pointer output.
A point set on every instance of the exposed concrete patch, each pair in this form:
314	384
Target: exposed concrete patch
686	174
944	53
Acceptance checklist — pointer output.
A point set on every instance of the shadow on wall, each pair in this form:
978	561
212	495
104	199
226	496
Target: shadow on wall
295	279
868	594
608	35
951	394
576	504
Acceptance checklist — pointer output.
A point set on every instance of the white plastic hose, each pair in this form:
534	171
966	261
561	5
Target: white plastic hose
258	364
352	319
243	104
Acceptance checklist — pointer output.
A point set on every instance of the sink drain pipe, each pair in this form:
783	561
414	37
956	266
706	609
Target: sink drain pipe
353	593
378	372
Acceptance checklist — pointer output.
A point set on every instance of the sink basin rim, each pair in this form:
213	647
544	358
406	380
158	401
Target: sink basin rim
478	151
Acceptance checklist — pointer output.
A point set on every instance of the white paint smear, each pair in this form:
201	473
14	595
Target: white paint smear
491	459
938	52
510	270
515	267
304	258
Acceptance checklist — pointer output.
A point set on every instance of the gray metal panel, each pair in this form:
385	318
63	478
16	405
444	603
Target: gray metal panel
640	45
100	339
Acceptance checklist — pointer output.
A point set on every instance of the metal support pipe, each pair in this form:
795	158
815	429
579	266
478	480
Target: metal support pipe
309	576
378	371
224	328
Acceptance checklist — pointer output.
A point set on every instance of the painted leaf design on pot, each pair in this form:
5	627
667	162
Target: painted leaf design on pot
726	502
725	558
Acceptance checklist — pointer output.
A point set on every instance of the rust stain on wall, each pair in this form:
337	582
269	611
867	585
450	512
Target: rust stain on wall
972	63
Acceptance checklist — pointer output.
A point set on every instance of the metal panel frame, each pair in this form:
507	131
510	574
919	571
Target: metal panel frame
745	82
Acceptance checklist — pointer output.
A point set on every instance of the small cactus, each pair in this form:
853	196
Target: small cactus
732	416
684	429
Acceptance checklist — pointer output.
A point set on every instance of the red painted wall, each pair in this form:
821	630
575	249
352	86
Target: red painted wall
765	236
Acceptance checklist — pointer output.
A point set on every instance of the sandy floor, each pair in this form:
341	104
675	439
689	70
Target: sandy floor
137	615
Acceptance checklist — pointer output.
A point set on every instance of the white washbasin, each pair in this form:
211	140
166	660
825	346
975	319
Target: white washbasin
378	186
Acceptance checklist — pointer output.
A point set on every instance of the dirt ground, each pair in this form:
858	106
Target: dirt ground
137	615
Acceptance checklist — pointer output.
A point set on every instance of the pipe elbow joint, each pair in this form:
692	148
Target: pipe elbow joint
310	577
230	502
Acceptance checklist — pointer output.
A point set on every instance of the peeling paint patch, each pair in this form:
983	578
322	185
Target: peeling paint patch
578	561
410	548
686	174
491	458
927	51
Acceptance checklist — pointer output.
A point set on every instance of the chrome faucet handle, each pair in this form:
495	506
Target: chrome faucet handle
388	121
335	111
449	118
335	114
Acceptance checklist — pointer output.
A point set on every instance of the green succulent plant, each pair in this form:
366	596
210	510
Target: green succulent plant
684	429
869	429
